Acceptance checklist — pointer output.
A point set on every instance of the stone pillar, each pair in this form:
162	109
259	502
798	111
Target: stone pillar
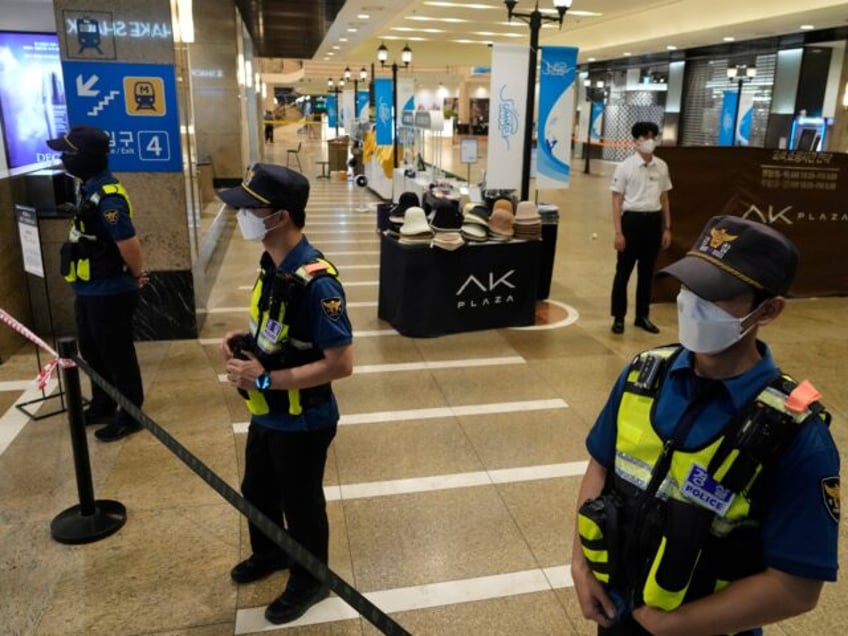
115	35
838	139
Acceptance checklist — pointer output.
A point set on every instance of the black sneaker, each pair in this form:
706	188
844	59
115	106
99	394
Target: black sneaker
647	325
117	429
97	417
293	603
618	326
255	568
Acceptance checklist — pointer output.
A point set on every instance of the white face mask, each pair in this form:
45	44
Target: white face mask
704	327
252	227
646	146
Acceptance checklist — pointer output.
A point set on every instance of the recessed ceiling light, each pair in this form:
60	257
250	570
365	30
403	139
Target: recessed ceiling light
671	47
330	53
729	38
342	39
627	54
807	27
417	30
336	47
498	35
363	16
352	30
461	5
591	59
421	18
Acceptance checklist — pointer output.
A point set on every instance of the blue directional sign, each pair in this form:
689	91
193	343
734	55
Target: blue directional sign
135	104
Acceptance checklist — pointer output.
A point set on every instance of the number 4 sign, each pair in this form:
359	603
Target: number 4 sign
153	145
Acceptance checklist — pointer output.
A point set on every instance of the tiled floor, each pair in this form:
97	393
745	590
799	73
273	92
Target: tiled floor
469	514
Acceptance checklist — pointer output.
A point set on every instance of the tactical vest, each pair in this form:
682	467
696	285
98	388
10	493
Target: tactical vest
90	253
274	303
675	525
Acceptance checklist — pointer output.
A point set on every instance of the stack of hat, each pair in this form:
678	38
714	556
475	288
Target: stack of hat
415	230
406	201
528	223
446	221
501	221
475	225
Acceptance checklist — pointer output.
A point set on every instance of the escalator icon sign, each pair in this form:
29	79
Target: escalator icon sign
144	96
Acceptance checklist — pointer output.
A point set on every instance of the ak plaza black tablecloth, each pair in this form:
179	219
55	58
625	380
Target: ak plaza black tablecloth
427	292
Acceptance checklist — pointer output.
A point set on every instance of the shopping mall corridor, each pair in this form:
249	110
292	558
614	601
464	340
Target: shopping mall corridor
451	484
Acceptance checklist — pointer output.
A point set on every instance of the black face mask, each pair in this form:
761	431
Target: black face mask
84	165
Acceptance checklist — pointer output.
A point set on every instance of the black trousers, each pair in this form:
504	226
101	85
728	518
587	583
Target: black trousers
629	627
105	335
284	478
643	237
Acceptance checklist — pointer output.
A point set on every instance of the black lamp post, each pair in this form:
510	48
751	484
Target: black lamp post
406	58
363	75
535	19
335	89
593	95
740	73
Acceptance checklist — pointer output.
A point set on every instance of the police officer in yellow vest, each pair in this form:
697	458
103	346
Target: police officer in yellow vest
711	501
102	260
299	340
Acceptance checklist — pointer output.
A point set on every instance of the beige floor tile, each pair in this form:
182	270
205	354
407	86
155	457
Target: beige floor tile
387	392
475	344
428	537
7	399
482	385
537	614
580	625
544	512
537	437
157	573
384	350
376	452
221	629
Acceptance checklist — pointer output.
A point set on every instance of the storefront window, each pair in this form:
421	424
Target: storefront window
636	94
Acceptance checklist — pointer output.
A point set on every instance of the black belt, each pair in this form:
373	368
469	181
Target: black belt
641	211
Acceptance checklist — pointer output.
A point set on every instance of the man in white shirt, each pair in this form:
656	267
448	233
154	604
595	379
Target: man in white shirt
641	217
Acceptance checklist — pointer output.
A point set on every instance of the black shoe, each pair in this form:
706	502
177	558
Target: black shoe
117	429
292	604
255	568
618	325
647	325
97	417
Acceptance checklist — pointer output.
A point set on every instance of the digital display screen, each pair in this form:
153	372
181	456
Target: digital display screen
32	97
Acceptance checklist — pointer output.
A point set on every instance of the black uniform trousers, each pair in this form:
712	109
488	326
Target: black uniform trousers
643	238
284	478
629	627
105	335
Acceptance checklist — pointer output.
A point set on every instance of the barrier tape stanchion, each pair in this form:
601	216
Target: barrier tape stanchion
93	519
316	568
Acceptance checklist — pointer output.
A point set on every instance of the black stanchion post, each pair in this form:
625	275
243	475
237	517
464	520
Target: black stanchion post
91	520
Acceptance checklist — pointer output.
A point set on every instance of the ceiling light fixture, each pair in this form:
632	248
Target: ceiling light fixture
807	27
729	38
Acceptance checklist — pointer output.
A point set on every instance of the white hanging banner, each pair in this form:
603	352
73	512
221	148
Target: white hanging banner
556	116
348	111
508	98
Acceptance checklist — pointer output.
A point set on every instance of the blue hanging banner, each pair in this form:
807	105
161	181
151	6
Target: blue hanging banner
556	113
383	102
728	112
597	121
362	106
332	111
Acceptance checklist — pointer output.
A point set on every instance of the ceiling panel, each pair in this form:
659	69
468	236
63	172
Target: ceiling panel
288	28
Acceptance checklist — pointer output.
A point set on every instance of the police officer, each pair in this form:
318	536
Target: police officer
299	340
711	501
102	260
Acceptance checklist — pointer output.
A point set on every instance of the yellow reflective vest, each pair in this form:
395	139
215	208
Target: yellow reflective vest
273	304
90	253
696	526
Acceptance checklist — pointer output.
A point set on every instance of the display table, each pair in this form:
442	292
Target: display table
427	292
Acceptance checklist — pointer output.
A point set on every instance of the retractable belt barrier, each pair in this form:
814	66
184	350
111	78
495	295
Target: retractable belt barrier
316	568
103	517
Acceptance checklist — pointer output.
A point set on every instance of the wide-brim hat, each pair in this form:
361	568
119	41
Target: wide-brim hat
733	256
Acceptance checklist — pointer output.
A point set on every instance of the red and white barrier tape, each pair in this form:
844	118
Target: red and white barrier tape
44	375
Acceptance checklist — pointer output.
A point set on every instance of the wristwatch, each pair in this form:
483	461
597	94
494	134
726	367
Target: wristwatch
263	381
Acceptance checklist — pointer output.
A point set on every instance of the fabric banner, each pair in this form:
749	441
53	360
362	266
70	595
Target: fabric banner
362	106
383	102
742	125
801	194
557	73
332	112
507	117
597	124
406	95
348	112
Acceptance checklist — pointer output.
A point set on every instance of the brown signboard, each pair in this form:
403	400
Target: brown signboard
802	194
